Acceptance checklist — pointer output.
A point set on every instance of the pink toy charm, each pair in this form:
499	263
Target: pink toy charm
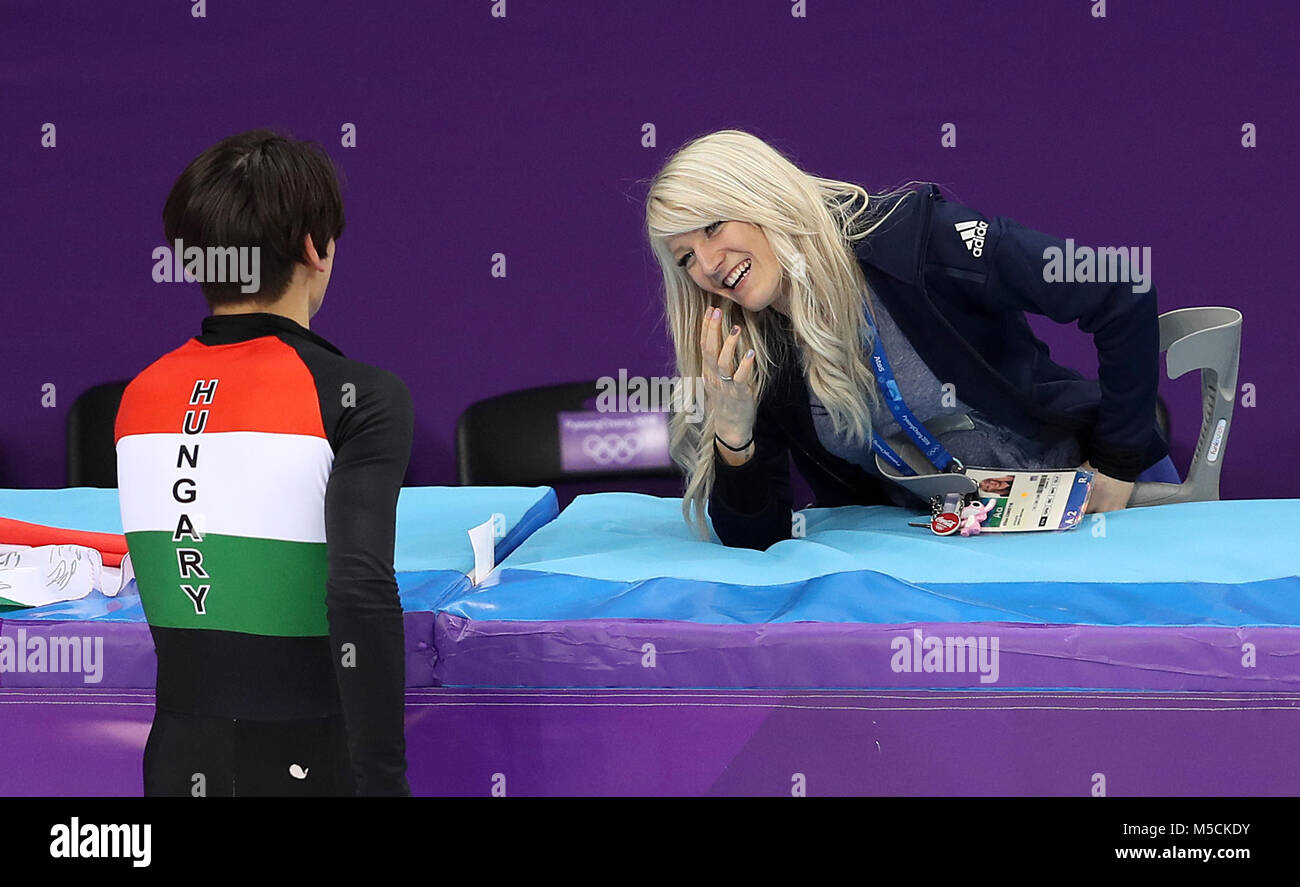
973	515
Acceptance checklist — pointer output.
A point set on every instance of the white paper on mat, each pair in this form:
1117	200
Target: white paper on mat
483	540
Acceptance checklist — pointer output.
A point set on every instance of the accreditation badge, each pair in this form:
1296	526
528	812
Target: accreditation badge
1015	500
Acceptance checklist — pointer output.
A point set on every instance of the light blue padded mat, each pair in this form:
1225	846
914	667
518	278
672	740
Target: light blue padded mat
74	508
432	523
622	555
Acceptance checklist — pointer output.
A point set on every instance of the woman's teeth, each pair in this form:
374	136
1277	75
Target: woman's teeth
733	280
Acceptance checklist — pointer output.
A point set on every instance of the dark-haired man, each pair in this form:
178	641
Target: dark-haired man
258	471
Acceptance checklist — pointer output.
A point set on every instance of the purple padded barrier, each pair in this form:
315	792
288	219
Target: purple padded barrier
613	653
73	742
755	742
125	654
111	654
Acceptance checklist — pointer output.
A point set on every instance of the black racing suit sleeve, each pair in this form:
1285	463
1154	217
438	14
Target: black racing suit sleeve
365	616
750	504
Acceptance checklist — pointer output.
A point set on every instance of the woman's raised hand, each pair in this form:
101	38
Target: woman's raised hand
729	388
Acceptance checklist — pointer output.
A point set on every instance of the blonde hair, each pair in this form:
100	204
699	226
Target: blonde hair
810	223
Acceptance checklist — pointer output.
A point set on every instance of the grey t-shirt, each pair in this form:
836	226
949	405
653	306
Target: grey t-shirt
985	445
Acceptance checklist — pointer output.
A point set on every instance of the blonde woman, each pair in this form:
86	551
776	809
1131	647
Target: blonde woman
814	310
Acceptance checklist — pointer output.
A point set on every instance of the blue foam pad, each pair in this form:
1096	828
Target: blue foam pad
622	555
432	523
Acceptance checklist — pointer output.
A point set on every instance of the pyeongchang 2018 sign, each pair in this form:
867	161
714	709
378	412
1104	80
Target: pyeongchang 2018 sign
594	441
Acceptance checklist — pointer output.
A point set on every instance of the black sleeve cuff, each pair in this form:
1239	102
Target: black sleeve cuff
1121	464
744	488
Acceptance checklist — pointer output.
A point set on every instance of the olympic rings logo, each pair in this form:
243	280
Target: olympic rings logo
615	448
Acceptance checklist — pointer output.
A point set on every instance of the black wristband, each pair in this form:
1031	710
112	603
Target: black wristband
739	449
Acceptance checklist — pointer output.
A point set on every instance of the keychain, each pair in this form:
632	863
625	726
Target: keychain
945	512
955	512
974	514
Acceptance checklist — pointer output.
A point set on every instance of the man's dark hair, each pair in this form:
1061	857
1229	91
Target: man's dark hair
260	189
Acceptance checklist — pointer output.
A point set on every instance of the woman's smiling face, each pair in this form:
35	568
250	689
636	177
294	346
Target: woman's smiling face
732	259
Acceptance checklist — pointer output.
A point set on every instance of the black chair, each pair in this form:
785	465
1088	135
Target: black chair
514	440
92	458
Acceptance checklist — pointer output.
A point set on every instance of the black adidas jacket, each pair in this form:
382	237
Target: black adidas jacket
945	299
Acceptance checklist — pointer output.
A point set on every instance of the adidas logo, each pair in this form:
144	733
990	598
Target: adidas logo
972	233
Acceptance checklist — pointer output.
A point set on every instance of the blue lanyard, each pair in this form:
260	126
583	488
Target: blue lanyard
936	452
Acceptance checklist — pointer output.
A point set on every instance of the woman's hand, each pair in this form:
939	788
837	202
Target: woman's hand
730	400
1107	493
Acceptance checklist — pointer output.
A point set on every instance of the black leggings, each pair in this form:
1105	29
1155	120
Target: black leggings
197	756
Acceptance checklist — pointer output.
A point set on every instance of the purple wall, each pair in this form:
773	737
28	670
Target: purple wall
479	135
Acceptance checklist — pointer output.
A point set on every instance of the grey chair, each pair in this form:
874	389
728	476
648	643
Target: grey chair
1206	339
